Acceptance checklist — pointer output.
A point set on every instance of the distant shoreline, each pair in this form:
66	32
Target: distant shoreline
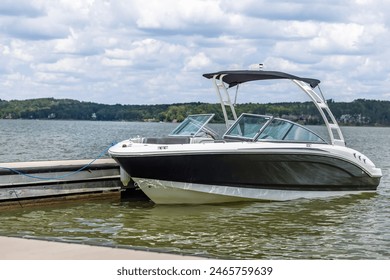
359	112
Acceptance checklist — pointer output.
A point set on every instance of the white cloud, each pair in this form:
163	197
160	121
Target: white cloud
65	65
17	50
199	61
177	15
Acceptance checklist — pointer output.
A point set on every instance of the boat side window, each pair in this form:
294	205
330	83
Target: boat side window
299	133
277	130
247	126
284	130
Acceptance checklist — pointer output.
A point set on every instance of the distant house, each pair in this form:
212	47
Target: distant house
354	119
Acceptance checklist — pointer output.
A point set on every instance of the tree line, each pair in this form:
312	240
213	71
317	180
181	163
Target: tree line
357	112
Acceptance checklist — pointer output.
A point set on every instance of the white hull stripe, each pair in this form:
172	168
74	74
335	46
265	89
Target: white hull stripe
167	192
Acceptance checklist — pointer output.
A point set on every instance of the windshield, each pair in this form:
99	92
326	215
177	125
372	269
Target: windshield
193	125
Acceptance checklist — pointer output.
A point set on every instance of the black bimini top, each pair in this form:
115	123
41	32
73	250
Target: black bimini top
233	78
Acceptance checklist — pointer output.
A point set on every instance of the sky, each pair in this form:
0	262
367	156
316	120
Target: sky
155	51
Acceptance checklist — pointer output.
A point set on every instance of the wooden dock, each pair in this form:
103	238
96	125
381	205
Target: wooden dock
49	181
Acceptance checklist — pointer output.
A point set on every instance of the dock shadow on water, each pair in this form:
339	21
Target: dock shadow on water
348	227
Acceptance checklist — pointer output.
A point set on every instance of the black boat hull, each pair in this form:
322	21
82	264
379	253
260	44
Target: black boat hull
252	171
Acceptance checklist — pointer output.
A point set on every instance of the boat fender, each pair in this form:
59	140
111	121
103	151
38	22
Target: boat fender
125	177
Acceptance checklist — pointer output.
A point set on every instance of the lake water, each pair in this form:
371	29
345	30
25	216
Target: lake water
350	227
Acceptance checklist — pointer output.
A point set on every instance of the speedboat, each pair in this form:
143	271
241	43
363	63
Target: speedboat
258	157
